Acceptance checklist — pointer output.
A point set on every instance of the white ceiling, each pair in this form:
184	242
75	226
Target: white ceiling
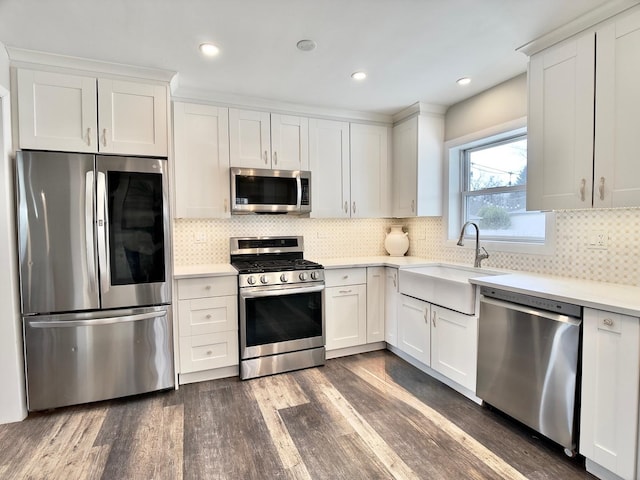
412	50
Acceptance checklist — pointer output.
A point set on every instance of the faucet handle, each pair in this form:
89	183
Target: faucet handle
485	255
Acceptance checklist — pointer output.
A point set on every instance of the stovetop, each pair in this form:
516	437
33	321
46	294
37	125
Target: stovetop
257	265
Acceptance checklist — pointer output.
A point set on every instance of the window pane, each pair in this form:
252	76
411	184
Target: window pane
501	215
501	165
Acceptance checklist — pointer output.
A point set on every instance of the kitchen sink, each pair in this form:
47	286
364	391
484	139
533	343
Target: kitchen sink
444	285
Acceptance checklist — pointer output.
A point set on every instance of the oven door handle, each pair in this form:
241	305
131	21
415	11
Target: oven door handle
275	292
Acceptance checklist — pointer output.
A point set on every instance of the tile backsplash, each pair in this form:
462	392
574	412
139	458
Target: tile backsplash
205	241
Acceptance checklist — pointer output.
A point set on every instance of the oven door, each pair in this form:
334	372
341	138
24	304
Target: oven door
281	319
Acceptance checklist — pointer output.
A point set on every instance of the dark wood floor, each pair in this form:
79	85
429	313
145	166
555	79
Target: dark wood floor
363	417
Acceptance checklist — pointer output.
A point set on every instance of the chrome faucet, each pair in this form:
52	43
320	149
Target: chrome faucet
479	256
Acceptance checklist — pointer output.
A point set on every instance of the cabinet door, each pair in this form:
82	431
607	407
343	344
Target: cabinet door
57	112
346	316
391	296
454	345
560	126
201	142
405	168
414	331
617	143
376	280
610	373
370	179
249	139
329	163
133	118
289	142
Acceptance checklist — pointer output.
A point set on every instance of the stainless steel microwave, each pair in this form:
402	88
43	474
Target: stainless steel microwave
255	190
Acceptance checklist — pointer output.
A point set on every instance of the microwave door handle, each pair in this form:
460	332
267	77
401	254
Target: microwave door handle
101	194
299	198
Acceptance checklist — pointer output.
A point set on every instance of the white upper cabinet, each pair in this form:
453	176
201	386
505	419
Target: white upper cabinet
132	118
84	114
564	169
57	112
201	143
417	166
370	172
617	143
263	140
329	163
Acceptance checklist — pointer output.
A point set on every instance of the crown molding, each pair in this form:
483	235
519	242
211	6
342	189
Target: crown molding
419	108
580	24
20	57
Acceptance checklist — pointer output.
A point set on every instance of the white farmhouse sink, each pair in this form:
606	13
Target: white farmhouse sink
444	285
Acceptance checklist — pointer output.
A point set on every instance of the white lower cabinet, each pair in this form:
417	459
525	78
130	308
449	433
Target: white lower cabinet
414	331
610	385
345	307
391	298
454	345
375	304
207	323
442	339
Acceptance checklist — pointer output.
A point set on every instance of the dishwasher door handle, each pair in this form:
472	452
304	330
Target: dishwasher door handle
557	317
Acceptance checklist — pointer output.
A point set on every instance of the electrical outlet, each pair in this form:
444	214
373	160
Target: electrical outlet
598	240
200	237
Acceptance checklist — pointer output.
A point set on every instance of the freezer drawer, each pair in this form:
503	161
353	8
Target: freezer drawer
79	358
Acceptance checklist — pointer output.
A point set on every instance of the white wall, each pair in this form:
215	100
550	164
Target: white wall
12	394
500	104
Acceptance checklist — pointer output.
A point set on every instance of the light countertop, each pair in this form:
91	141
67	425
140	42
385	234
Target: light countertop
206	270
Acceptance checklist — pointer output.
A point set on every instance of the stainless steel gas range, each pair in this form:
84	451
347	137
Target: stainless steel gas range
281	300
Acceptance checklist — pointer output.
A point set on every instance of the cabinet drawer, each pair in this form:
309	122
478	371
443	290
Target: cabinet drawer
205	352
208	315
345	276
207	287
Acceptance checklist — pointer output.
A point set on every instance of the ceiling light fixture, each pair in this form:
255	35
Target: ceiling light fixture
358	75
306	45
463	81
209	49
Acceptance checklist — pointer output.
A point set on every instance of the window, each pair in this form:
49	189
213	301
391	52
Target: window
486	184
493	190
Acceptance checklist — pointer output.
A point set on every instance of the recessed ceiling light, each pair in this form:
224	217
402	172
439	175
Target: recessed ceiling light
463	81
358	75
209	49
306	45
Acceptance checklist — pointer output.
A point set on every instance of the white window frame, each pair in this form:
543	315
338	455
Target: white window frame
453	192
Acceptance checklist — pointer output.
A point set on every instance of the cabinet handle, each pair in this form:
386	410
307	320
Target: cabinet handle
354	207
266	158
426	317
413	206
344	291
275	158
394	280
583	185
346	207
344	277
208	287
89	136
433	318
601	188
608	322
225	205
104	137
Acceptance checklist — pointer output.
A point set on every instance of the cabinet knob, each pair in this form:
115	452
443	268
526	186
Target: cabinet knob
209	353
583	185
208	287
208	316
608	322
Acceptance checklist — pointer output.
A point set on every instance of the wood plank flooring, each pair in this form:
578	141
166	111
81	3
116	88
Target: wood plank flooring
370	416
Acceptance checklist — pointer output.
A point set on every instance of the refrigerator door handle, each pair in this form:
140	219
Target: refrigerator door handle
97	321
89	227
101	194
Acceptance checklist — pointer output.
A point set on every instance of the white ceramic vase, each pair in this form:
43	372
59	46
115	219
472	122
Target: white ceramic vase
397	242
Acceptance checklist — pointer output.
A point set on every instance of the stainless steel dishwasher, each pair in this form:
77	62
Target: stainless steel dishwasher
529	361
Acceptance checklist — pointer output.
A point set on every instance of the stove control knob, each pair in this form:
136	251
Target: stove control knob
315	275
284	277
264	279
302	276
251	280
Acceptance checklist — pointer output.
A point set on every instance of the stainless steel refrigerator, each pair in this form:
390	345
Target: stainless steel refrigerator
93	241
